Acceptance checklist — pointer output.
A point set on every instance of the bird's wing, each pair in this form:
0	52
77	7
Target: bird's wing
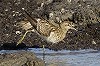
33	21
45	27
25	25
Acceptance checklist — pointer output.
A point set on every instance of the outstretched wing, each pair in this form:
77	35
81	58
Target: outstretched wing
44	27
33	21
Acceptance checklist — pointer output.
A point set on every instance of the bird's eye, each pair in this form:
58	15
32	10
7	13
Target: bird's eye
69	24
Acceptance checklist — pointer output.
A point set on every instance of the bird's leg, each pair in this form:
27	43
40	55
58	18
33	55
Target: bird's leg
43	52
22	37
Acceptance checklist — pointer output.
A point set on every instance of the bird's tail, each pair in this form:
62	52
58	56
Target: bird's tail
24	24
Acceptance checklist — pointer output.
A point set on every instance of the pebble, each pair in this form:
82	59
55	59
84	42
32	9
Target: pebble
18	32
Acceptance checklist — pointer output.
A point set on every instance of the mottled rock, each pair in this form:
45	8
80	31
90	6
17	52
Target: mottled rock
20	58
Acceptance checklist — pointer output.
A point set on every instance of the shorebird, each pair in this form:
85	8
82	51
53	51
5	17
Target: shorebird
50	31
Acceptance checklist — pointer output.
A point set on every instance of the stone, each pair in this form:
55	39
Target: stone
20	58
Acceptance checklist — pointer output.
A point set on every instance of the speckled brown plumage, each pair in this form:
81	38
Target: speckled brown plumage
52	32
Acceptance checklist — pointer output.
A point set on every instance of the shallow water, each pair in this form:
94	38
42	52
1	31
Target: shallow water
87	57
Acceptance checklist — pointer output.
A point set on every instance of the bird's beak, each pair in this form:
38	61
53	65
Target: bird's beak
72	27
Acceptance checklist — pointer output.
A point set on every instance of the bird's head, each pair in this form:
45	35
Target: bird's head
66	25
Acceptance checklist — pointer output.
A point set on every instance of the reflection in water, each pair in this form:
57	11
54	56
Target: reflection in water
87	57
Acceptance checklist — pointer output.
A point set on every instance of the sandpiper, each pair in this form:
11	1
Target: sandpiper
50	31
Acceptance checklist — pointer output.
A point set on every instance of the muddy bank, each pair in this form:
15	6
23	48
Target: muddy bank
84	13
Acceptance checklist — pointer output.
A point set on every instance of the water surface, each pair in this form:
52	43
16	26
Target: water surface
86	57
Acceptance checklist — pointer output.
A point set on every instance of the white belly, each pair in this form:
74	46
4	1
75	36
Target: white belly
54	38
